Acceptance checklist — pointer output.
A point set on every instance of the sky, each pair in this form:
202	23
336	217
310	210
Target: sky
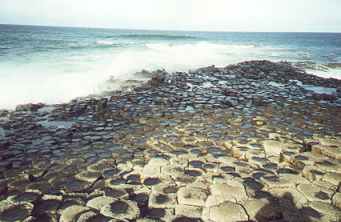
201	15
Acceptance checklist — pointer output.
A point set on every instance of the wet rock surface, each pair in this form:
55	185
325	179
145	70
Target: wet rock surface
247	142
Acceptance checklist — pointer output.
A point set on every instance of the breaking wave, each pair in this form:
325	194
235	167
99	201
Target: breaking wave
157	36
86	72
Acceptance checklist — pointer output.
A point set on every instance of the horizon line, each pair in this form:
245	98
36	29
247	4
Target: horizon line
162	30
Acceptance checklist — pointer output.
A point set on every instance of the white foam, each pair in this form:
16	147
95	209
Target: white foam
320	89
330	73
63	77
104	42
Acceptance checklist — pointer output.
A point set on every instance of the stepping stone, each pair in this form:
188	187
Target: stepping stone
223	192
328	212
115	193
289	195
120	209
160	200
71	213
98	202
333	178
284	181
192	196
14	212
173	171
88	176
273	147
312	173
188	211
153	167
329	151
315	193
27	197
261	210
225	212
101	165
48	203
165	187
92	216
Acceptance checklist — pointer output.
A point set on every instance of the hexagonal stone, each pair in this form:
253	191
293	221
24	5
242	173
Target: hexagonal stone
333	178
332	152
312	173
273	147
329	213
88	176
337	200
72	213
98	202
188	211
41	186
69	184
153	167
173	171
115	193
165	187
284	181
28	197
192	196
289	195
160	214
101	165
261	210
315	193
121	209
14	212
223	192
92	216
225	212
161	200
48	203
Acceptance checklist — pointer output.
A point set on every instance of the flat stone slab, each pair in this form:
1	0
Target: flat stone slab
192	196
327	211
161	200
14	212
121	209
188	211
225	212
98	202
261	210
71	213
315	193
273	147
333	178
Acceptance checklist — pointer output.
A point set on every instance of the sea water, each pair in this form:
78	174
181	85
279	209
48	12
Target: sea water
57	64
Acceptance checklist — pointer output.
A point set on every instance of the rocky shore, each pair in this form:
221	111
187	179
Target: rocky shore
255	141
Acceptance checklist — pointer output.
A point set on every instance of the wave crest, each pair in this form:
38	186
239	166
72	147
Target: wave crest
157	36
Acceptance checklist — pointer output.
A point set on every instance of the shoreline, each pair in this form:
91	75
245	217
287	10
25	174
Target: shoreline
257	141
310	78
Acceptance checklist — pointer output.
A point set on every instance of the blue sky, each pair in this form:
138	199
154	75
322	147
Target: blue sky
208	15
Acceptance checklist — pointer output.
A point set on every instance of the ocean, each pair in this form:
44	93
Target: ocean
57	64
